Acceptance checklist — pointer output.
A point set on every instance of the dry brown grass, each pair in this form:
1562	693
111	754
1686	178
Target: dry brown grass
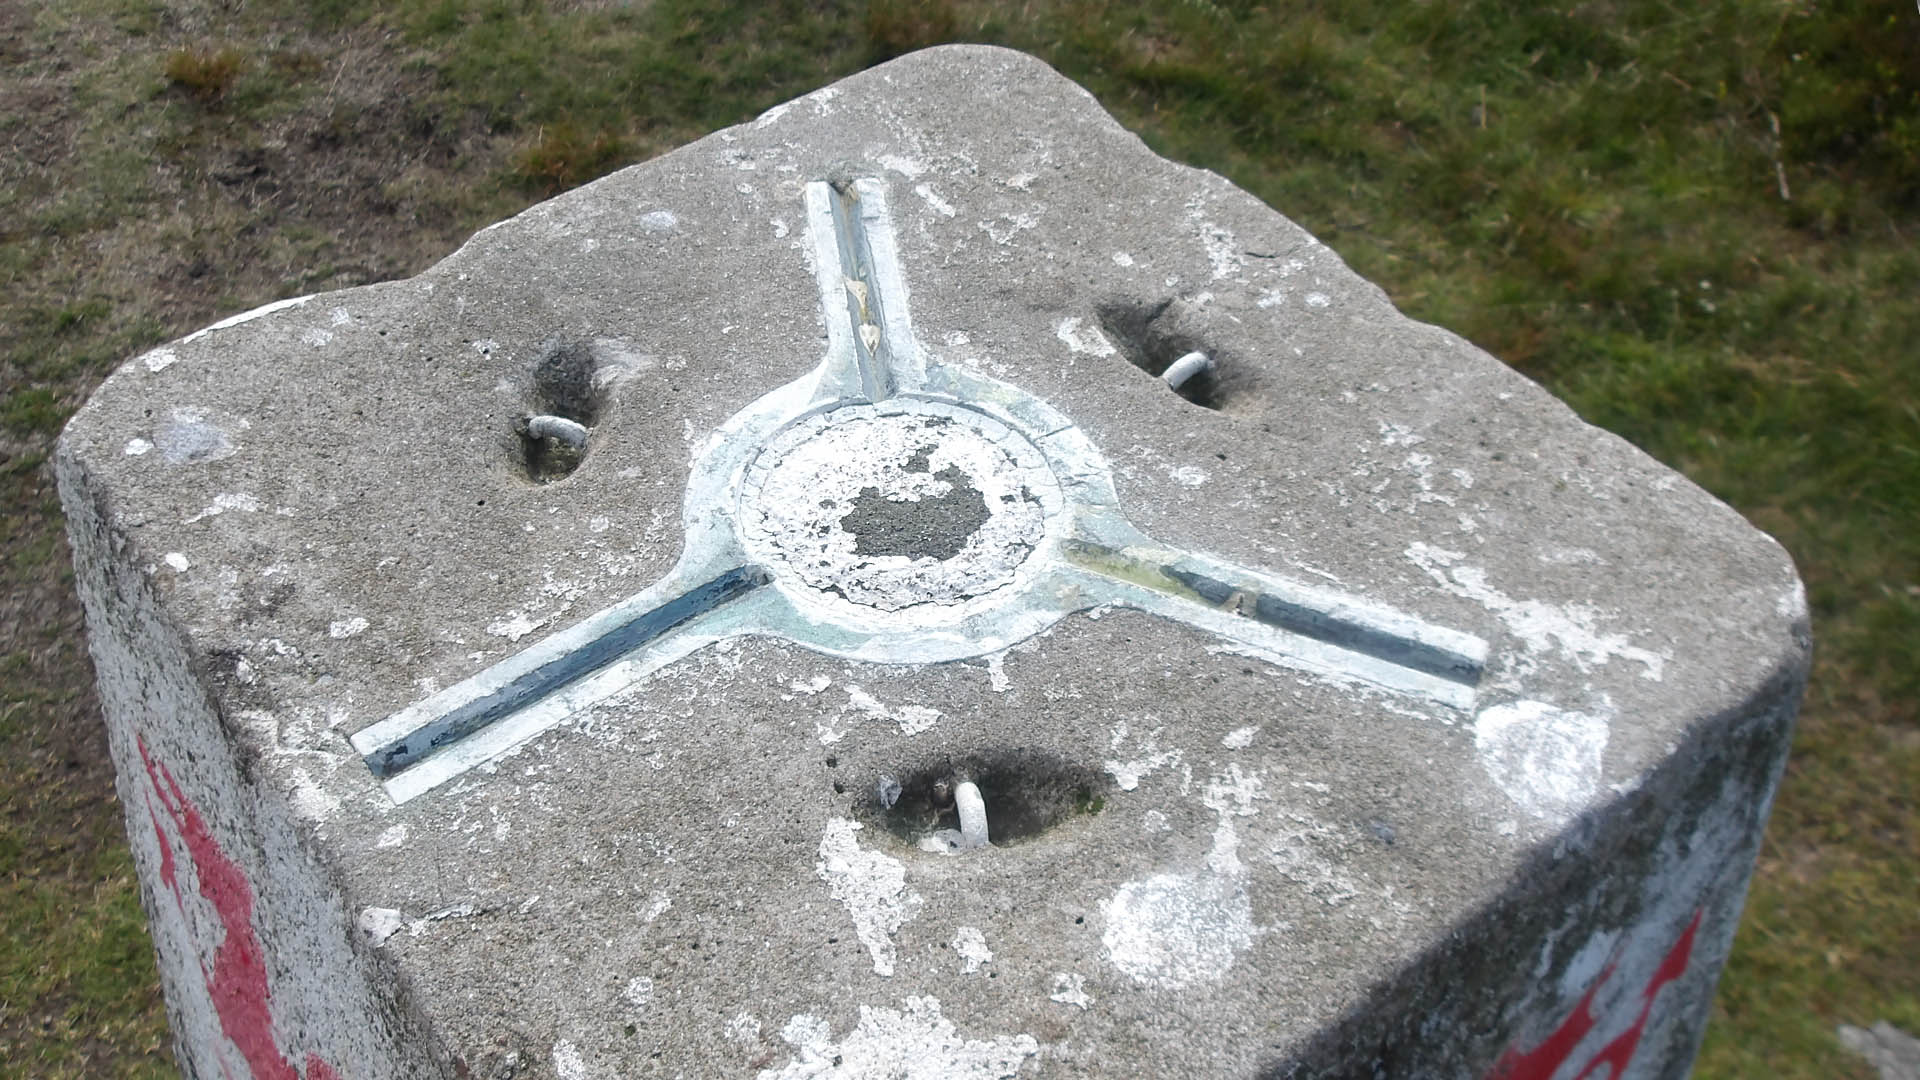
205	74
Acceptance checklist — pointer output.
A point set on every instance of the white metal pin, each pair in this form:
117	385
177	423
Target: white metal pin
1186	368
973	814
558	428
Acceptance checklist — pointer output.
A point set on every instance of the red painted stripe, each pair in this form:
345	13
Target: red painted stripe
1541	1062
237	981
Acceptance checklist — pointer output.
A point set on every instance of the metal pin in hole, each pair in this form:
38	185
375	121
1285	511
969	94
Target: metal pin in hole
558	428
1187	367
973	815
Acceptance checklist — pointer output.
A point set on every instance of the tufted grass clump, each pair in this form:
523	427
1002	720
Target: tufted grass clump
562	157
205	74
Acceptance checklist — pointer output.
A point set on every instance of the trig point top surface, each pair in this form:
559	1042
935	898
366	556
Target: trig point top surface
606	636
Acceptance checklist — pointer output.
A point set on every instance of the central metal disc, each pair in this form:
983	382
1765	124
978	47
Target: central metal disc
902	503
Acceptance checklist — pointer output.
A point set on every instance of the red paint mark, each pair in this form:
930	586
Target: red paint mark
166	850
1544	1060
1540	1062
1620	1051
237	981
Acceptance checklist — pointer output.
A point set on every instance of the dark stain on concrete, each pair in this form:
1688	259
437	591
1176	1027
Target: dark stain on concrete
936	526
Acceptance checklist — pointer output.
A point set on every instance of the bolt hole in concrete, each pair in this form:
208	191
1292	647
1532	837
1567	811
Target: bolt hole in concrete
564	400
1021	795
1157	339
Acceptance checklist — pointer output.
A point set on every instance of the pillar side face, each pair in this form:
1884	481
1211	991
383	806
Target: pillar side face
261	973
603	654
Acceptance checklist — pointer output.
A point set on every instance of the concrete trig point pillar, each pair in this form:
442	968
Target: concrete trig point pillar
915	582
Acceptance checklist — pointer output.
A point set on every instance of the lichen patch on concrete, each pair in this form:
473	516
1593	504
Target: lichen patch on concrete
971	944
1148	758
1081	338
1070	988
1569	631
1172	931
914	1042
911	719
567	1062
1546	759
871	885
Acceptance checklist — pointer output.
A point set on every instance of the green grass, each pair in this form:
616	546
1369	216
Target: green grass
1695	222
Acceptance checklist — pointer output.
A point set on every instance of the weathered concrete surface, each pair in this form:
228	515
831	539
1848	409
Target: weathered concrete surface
1495	817
1893	1053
